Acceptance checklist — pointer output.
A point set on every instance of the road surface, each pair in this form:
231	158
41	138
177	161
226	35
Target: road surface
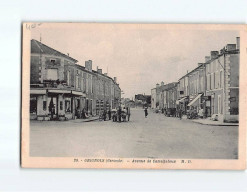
156	136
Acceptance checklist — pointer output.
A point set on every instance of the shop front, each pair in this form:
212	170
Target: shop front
182	104
53	104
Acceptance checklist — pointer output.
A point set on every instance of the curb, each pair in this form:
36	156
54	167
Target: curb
91	120
230	125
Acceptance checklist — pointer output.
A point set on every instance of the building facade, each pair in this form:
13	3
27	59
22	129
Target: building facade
60	89
153	98
196	92
222	89
212	87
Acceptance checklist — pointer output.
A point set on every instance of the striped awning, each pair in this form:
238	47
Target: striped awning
194	100
181	100
79	93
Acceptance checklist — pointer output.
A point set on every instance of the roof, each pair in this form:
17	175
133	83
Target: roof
38	47
202	64
236	51
95	72
141	96
167	86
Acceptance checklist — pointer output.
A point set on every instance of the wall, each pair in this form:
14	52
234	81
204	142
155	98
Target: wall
34	74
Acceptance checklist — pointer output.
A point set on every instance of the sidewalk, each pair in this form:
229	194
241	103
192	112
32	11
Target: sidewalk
207	121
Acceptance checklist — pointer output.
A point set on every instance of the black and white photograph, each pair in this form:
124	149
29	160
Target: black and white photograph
111	95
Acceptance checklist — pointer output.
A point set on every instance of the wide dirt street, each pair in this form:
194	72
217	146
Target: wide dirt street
156	137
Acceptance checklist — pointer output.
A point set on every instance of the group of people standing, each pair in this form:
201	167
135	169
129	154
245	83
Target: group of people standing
117	115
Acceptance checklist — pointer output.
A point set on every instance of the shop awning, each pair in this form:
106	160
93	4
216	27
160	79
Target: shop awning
194	100
38	91
59	91
78	93
181	100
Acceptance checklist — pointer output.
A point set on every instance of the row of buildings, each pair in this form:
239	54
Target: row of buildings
60	88
212	86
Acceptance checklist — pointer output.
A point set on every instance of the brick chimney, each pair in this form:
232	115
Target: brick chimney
207	58
214	54
238	43
88	65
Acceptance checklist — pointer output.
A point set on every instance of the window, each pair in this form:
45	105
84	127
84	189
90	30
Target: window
52	74
53	61
201	85
219	104
212	80
77	83
86	83
67	105
82	84
33	105
44	105
208	82
216	80
61	105
68	77
91	87
221	79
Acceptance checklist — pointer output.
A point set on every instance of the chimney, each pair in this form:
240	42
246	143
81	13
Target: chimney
238	43
115	79
207	58
214	54
162	83
90	65
199	64
86	66
157	85
99	70
105	74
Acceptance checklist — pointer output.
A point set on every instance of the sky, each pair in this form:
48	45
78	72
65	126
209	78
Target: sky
139	55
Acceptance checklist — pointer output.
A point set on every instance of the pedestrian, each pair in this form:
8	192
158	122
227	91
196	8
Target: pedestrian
104	115
119	114
114	115
146	112
180	113
109	114
128	113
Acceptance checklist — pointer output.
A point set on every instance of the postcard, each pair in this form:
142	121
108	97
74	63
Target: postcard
134	96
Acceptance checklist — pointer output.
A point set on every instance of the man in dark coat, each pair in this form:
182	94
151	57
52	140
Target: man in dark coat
109	114
146	112
119	114
104	114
